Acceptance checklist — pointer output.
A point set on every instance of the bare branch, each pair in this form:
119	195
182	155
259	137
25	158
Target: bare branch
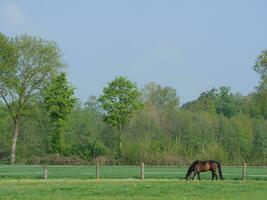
9	107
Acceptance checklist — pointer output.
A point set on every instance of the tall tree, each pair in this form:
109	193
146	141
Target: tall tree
119	100
161	105
261	68
59	99
227	103
26	64
206	102
261	65
161	97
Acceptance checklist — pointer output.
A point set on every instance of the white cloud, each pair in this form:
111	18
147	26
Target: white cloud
13	18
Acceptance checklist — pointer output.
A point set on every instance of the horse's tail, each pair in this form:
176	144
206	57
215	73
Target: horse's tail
220	170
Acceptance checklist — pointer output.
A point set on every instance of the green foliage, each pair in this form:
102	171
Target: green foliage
205	103
221	101
219	124
162	98
5	136
260	99
227	103
8	63
259	141
261	68
89	151
119	99
84	131
26	64
261	65
59	99
36	61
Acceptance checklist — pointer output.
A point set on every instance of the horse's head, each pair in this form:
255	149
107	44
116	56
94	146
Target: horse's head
190	170
188	175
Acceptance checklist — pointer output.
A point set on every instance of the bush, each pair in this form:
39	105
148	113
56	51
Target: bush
89	151
57	159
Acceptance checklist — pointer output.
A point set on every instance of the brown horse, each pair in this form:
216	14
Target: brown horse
202	166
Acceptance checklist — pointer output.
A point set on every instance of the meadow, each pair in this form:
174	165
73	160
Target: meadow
121	172
127	189
122	182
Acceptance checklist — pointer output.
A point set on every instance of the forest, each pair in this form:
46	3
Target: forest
41	120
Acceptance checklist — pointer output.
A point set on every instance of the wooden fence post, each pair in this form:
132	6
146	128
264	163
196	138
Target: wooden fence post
244	171
45	172
142	172
97	171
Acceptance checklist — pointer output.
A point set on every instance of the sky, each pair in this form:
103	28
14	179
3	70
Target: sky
189	45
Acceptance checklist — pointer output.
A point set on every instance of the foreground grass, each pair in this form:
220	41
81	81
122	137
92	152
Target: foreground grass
69	189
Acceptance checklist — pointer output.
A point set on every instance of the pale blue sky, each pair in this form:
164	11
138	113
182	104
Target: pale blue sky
189	45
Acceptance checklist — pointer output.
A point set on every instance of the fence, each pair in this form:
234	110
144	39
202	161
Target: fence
123	172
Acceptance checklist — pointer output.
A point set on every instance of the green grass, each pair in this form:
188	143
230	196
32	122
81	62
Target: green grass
131	189
121	182
120	172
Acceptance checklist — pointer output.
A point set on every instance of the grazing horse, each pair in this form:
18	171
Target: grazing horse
202	166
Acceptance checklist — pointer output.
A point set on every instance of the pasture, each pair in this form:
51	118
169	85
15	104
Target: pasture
127	189
122	182
121	172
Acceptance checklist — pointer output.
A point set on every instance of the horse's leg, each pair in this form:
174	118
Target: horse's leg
212	175
198	175
216	175
194	175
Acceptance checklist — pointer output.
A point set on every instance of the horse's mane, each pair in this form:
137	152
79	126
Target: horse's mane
195	163
213	161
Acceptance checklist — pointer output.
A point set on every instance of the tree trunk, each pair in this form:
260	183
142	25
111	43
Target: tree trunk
14	142
120	145
120	139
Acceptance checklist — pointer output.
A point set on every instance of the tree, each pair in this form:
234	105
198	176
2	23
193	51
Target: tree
83	131
205	103
119	100
26	64
161	104
227	103
261	68
220	101
59	99
162	98
93	104
4	136
261	65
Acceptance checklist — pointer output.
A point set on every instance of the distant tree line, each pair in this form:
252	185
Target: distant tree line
42	121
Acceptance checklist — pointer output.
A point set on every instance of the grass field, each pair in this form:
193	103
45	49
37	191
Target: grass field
120	172
131	189
121	182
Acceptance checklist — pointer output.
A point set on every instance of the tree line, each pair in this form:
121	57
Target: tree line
42	121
